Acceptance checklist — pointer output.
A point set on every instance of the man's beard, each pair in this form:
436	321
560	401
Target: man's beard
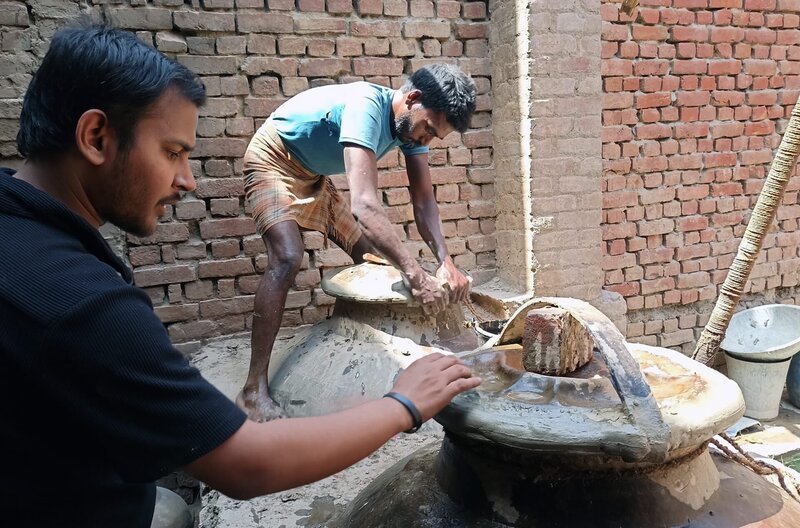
123	209
402	129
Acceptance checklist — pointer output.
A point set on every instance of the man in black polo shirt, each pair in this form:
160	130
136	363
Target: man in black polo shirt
95	402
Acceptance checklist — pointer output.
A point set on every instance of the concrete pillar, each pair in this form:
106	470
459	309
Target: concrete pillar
548	98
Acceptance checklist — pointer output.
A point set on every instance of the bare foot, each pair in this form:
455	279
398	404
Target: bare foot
259	406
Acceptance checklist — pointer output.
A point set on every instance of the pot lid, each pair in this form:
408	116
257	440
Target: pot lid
637	402
367	282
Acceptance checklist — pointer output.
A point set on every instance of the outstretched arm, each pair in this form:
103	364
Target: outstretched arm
362	176
426	215
262	458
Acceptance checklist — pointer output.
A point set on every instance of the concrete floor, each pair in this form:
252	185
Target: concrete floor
224	362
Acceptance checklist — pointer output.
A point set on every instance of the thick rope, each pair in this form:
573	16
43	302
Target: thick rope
471	308
762	217
737	454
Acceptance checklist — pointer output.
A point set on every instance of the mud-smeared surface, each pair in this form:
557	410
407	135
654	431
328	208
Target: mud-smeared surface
316	504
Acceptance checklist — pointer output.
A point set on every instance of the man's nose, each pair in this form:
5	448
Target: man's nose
185	179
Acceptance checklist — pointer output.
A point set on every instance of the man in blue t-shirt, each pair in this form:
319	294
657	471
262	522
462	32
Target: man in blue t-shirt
345	129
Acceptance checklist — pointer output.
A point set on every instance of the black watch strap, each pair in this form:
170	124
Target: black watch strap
410	407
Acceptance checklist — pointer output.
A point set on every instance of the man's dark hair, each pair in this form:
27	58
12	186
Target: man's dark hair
94	66
445	89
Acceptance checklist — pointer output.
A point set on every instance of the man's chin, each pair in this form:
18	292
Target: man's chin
136	228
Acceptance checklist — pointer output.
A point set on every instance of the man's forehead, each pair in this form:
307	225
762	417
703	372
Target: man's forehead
439	119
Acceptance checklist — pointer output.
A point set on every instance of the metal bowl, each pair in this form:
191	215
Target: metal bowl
764	333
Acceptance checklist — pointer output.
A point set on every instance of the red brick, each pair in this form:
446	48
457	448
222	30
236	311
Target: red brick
142	256
173	232
171	314
610	67
311	5
727	130
726	34
231	227
657	285
646	67
613	231
760	67
144	277
323	67
219	187
640	32
264	23
695	98
755	157
692	223
434	29
375	29
370	7
650	164
689	34
474	10
653	100
225	268
216	308
653	131
377	66
689	67
327	25
340	6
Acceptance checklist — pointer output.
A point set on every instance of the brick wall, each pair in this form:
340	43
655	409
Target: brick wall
202	265
697	94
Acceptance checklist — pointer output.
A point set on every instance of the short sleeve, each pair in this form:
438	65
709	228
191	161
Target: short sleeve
361	123
130	392
412	150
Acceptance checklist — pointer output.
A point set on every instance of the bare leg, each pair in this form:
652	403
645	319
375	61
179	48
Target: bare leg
358	249
285	251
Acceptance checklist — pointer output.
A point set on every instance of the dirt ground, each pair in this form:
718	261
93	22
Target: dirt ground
224	363
315	504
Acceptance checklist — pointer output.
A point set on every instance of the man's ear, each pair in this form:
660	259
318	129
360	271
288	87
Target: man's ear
93	136
412	98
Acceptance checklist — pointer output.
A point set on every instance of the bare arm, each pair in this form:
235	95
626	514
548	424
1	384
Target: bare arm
362	175
426	215
426	210
262	458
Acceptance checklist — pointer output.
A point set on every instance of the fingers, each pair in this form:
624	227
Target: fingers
464	384
456	371
434	305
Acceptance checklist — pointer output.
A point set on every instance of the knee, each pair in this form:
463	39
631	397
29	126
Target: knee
285	263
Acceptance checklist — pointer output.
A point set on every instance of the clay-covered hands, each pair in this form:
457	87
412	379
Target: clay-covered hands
432	381
457	283
428	292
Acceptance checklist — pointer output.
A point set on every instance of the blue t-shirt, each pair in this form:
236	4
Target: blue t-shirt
314	124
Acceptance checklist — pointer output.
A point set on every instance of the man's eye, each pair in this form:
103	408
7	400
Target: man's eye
172	155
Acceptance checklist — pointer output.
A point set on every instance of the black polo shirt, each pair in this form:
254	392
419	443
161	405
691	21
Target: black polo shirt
95	402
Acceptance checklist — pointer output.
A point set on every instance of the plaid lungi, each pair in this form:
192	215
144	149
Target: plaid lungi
279	188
